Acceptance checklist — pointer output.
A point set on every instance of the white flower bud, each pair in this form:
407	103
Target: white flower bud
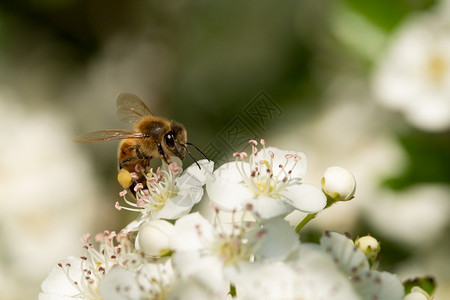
153	237
369	246
339	184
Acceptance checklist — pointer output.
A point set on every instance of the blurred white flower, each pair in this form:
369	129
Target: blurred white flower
413	76
416	216
167	194
49	193
269	184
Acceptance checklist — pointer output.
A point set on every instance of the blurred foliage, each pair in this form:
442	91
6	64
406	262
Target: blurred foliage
388	13
428	156
427	284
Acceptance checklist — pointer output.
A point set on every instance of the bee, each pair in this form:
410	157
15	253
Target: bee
152	137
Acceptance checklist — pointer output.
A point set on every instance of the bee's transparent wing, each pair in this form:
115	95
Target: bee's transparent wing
130	108
107	135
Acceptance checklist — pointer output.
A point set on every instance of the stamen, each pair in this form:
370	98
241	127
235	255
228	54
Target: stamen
253	142
85	238
242	155
138	186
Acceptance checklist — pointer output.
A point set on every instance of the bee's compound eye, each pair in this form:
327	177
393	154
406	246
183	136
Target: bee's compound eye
169	139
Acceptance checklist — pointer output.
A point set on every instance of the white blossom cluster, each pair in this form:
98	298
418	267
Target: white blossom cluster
170	252
413	75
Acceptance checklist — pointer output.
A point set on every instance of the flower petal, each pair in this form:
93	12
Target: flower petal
191	232
262	280
136	224
318	276
201	277
119	284
280	240
193	176
226	189
57	282
267	207
378	285
280	159
305	197
344	252
181	204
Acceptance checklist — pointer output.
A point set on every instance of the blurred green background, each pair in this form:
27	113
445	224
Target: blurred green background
63	64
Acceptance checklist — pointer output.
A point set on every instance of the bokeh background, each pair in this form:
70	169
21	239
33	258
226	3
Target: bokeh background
360	84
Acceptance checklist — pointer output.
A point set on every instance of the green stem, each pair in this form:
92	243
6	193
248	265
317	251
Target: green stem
232	290
305	221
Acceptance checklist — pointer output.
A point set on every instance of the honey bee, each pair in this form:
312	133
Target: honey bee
152	136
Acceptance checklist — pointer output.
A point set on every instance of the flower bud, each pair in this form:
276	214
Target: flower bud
369	246
124	178
338	184
153	237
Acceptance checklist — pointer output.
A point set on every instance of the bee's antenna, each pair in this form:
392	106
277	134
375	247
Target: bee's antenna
188	152
190	144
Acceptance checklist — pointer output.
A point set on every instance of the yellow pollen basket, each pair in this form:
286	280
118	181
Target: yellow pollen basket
124	178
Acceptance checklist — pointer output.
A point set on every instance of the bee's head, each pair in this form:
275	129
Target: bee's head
175	140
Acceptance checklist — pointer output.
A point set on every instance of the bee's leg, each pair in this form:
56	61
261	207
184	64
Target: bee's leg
162	155
124	162
139	153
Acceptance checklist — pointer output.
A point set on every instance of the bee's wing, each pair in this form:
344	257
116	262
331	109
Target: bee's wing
107	135
130	108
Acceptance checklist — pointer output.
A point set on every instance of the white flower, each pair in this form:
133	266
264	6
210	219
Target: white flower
414	75
269	184
339	184
167	194
153	237
212	251
308	274
80	277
